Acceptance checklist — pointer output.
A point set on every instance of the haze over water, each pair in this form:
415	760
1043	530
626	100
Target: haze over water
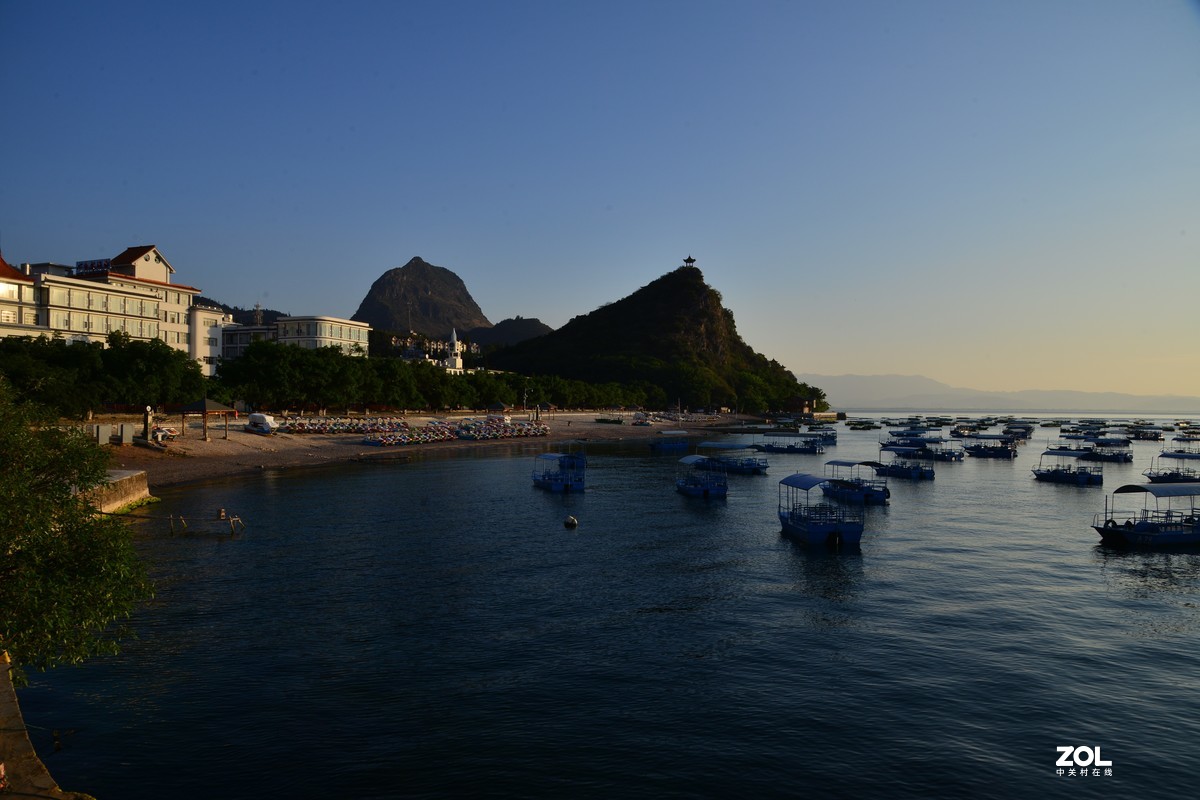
431	629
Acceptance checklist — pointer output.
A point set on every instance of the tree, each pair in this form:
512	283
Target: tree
67	574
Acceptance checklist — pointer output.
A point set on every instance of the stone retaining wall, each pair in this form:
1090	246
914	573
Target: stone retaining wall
124	487
27	775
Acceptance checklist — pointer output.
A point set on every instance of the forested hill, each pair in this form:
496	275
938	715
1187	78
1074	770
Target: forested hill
242	316
672	337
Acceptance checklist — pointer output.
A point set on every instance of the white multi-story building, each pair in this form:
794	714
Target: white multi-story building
205	325
313	332
84	310
143	268
133	293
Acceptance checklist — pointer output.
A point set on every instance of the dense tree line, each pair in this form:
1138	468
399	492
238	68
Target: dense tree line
280	377
74	379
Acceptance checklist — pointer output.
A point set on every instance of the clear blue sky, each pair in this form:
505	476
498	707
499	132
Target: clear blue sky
997	195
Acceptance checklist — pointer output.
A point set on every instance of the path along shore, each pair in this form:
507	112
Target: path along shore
189	458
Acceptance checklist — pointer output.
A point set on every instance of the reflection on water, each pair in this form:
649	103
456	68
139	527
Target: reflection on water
431	629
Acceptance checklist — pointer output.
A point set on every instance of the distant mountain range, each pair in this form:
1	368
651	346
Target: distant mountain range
918	393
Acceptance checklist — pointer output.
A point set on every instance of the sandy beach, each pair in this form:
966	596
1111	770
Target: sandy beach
189	458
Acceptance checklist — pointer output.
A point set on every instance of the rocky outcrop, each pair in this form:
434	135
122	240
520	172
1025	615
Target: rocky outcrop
423	298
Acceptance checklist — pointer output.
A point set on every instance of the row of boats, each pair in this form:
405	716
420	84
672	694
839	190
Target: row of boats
1168	516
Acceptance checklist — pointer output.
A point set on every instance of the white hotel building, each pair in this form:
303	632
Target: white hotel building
133	292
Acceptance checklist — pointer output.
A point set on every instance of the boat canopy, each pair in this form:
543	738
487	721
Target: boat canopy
551	456
725	445
803	480
895	448
693	459
839	462
1066	453
1161	489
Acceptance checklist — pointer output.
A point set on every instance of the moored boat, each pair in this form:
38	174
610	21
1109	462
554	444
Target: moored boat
816	523
1174	519
1160	474
1182	450
796	444
703	482
1061	472
739	465
901	466
844	481
990	445
560	472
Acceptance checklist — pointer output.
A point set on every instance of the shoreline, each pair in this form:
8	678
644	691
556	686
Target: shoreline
189	459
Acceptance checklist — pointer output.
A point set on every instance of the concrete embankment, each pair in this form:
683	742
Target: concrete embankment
27	776
125	487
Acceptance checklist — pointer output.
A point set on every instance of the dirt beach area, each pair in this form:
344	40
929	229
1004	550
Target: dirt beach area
189	458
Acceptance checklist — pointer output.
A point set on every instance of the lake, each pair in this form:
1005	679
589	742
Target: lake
432	629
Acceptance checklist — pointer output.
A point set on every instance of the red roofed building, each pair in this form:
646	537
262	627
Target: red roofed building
144	267
132	293
18	302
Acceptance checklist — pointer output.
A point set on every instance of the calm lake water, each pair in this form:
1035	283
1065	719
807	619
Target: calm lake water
431	629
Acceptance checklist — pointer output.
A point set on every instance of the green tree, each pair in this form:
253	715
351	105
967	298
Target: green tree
67	574
150	371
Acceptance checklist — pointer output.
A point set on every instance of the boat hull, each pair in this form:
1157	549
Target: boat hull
915	472
704	489
990	452
813	527
1173	476
1150	534
861	495
559	483
1071	477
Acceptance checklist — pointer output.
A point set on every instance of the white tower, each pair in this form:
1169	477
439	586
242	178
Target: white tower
454	360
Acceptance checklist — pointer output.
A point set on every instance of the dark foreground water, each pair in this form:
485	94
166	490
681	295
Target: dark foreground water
432	630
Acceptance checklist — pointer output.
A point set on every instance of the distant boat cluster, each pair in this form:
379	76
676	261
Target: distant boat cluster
1169	515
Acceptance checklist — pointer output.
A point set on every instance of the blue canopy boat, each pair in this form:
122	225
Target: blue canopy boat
845	482
740	465
816	523
990	445
1160	474
701	483
560	472
796	444
901	466
1173	521
1062	472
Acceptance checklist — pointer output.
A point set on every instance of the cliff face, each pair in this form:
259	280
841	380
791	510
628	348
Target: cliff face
433	299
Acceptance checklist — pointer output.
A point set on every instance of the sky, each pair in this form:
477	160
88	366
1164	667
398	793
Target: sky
999	195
